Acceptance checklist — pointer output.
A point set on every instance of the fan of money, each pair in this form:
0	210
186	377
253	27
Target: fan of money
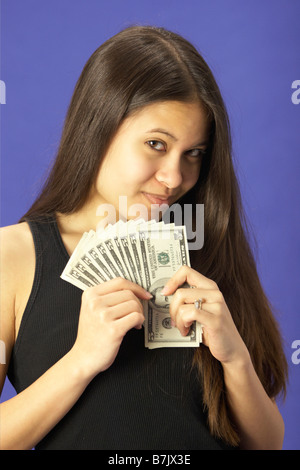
145	252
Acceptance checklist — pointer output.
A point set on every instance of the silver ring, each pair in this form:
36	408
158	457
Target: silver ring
198	304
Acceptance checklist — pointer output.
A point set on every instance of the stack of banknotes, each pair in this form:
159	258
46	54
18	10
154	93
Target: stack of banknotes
145	252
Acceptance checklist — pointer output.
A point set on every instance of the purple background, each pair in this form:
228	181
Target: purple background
253	50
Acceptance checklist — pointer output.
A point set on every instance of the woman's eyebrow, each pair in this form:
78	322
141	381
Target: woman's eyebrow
163	131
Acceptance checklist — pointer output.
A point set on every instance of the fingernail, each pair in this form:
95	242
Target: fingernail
173	323
164	291
148	295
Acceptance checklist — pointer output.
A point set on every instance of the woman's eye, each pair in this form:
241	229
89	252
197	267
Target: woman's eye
156	145
196	153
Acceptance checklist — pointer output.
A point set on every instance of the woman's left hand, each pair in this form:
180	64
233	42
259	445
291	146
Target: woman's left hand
219	331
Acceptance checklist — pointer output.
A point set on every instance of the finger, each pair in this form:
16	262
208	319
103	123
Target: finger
119	284
189	296
185	274
132	320
117	297
184	319
122	309
187	314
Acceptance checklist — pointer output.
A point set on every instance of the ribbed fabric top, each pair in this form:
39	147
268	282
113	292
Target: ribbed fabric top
147	399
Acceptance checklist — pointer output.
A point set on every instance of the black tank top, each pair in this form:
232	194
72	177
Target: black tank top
148	399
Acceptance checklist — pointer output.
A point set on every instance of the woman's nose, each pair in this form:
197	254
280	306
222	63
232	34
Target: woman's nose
170	173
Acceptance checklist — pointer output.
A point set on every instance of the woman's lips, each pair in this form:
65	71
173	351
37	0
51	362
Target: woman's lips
157	199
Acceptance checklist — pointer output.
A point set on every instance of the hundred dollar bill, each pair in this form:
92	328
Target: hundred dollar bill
164	252
92	260
75	270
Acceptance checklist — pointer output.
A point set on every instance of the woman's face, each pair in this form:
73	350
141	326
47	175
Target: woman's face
155	157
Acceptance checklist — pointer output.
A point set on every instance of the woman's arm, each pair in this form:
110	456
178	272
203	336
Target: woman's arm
26	418
257	417
107	312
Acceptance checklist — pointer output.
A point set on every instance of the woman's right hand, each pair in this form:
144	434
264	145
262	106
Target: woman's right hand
108	312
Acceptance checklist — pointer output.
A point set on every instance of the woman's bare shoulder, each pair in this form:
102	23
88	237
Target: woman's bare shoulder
17	264
17	255
16	229
16	239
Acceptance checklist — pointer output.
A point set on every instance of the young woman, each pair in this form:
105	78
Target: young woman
146	121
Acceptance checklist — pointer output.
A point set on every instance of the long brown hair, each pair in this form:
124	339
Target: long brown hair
143	65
